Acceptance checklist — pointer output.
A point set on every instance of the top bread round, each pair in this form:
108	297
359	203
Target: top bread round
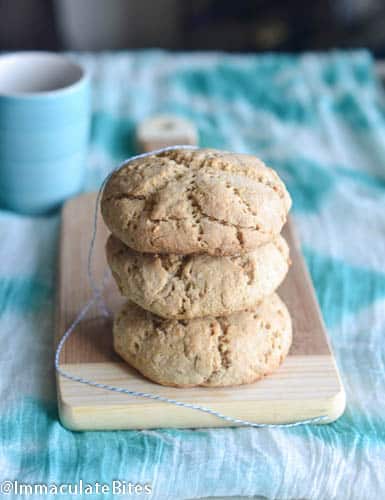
186	201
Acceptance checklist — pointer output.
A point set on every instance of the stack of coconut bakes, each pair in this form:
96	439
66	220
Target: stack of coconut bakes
196	250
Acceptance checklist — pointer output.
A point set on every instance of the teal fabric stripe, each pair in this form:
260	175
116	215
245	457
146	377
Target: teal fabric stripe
115	135
146	456
23	293
341	288
308	181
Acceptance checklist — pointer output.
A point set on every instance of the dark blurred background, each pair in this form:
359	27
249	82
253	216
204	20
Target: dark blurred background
241	25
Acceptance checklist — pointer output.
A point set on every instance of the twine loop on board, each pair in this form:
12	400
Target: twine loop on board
98	300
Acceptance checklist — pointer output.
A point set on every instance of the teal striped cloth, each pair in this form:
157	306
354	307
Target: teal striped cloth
319	119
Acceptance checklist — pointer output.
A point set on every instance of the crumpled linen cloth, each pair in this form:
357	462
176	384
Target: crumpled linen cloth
319	119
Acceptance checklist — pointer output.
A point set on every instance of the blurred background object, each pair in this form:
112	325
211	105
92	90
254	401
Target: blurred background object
160	131
243	26
114	24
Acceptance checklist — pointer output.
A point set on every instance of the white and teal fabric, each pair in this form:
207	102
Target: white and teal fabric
318	119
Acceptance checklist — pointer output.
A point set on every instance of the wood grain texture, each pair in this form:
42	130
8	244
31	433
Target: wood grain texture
307	385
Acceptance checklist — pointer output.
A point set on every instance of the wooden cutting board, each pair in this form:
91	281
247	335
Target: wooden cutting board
307	385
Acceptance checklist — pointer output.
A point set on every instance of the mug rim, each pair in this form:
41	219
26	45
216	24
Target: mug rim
45	93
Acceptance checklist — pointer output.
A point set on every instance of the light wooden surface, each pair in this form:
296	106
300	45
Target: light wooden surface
307	385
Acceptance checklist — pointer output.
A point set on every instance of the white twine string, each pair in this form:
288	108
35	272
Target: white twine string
97	299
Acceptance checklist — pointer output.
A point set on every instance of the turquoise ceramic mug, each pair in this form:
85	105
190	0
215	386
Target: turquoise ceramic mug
44	129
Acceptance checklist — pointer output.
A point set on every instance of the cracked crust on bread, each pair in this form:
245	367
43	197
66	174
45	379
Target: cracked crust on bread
190	286
231	350
195	201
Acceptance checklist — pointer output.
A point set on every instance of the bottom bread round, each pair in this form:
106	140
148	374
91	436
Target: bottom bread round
230	350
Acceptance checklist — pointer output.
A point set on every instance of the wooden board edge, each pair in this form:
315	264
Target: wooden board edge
291	227
59	325
120	417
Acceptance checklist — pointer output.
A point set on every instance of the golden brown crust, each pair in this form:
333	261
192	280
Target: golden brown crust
195	201
190	286
236	349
